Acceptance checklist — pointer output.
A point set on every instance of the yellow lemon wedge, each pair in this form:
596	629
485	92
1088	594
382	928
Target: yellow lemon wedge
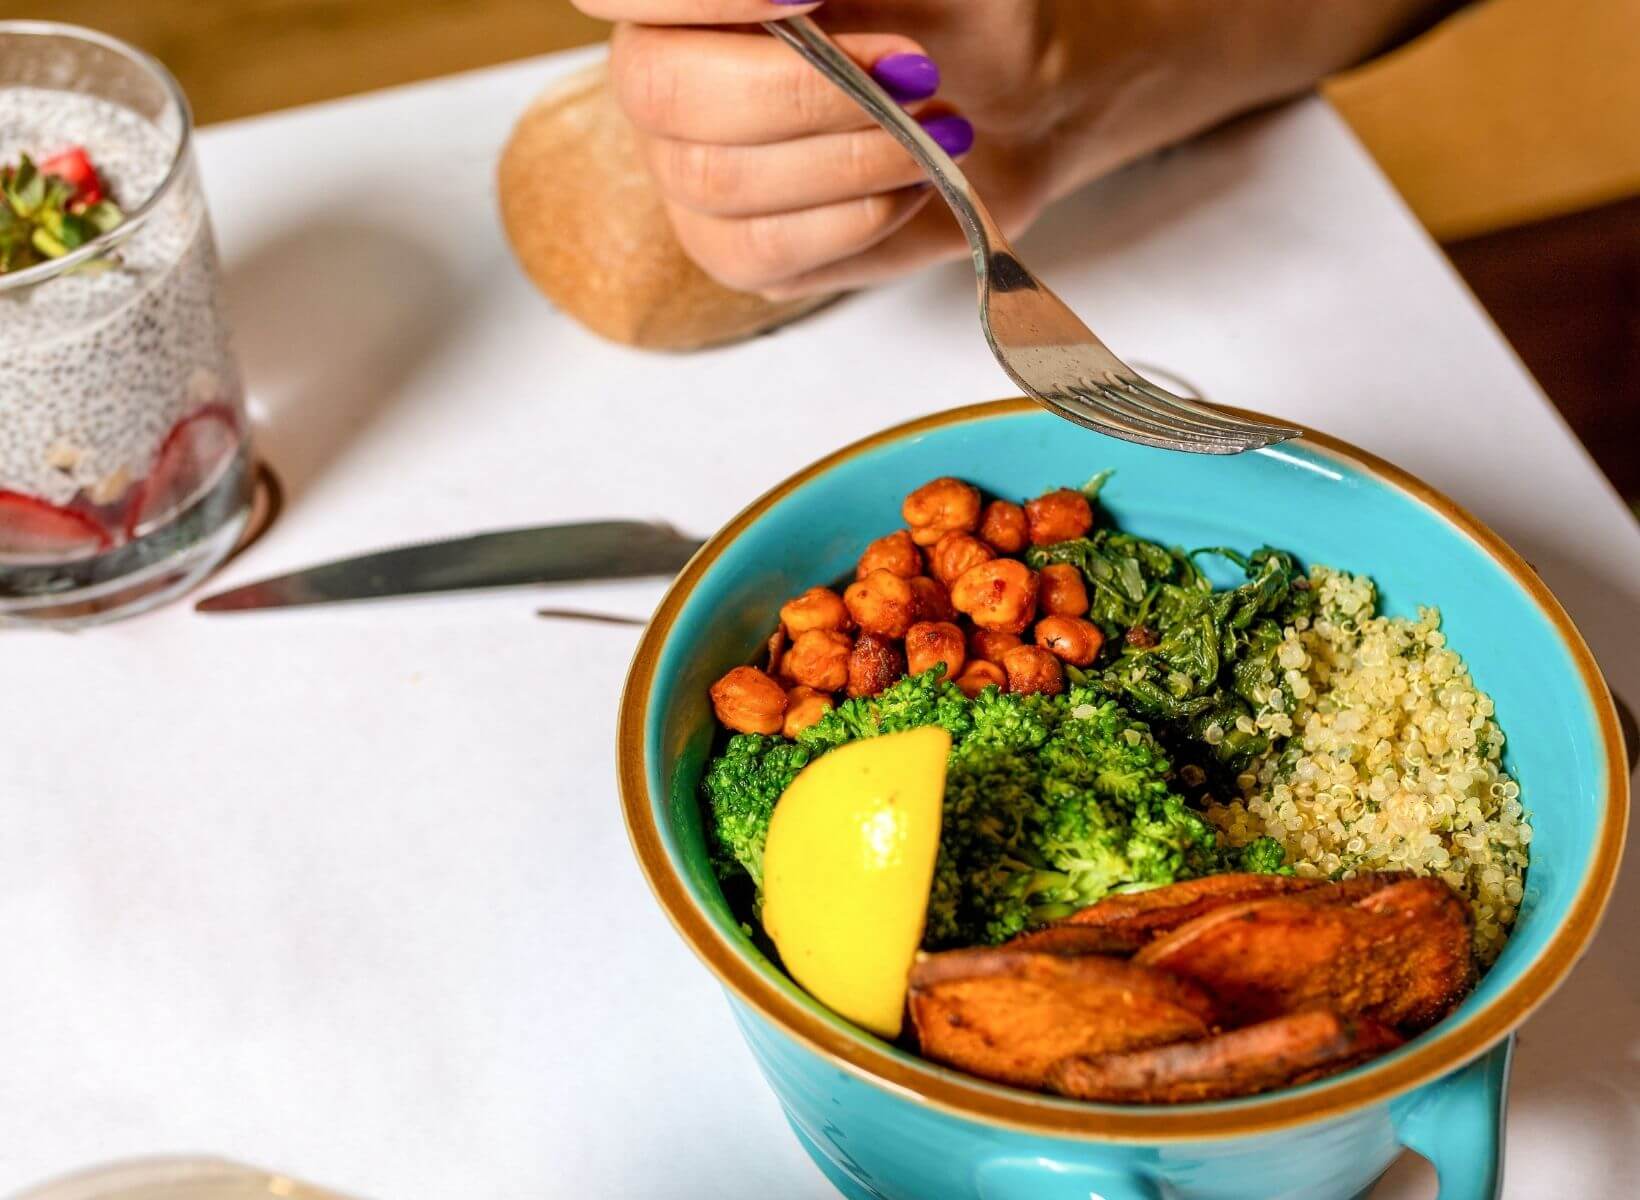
847	867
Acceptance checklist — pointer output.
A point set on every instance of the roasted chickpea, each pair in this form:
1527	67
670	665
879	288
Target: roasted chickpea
874	663
1003	527
991	644
777	651
748	701
930	642
1070	639
895	553
817	608
938	507
1000	595
931	601
1033	669
1058	517
977	676
955	553
804	706
819	659
881	603
1063	593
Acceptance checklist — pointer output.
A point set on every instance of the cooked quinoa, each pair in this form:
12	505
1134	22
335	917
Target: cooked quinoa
1386	757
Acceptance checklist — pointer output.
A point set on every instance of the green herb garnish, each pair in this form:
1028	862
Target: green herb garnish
1181	654
43	217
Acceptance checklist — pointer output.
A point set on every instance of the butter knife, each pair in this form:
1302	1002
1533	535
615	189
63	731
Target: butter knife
508	558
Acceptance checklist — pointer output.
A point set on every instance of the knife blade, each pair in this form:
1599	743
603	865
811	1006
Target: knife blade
507	558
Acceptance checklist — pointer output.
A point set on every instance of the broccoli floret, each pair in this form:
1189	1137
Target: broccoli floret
1013	722
913	702
741	787
1049	806
1110	818
991	802
1264	856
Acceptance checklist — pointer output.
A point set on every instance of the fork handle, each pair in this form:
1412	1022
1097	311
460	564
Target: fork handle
809	40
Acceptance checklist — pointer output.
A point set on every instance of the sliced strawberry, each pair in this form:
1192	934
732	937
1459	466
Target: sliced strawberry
73	167
192	453
30	526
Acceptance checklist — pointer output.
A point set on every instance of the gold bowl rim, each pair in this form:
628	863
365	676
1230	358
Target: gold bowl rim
976	1100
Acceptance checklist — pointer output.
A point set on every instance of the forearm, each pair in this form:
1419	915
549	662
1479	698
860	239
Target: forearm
1130	78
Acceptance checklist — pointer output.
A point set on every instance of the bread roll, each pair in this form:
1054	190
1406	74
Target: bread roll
588	227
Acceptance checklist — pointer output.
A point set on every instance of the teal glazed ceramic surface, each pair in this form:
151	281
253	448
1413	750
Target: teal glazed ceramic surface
883	1123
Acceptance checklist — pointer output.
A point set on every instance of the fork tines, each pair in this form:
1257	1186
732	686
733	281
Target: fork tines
1133	407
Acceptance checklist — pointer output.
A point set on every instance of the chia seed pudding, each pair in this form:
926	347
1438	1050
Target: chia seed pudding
121	408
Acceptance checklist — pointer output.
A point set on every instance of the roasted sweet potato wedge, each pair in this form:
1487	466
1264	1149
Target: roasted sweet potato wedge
1442	957
1008	1014
1064	938
1124	924
1401	956
1141	916
1353	890
1258	1058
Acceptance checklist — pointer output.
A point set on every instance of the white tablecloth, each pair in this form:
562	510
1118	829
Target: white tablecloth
346	892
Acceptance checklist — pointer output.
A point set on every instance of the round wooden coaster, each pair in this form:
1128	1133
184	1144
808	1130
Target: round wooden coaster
267	502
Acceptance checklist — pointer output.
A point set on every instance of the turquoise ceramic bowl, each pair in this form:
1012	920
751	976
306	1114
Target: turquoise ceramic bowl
883	1123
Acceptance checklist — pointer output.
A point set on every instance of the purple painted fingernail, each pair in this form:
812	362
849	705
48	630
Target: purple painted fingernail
954	134
794	1
907	76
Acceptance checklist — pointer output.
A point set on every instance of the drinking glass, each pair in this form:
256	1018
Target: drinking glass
124	455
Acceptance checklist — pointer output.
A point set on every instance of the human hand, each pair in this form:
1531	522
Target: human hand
776	182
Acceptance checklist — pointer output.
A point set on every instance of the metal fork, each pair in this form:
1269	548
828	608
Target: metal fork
1040	342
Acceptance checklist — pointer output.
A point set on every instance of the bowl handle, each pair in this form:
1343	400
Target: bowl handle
1028	1178
1458	1126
